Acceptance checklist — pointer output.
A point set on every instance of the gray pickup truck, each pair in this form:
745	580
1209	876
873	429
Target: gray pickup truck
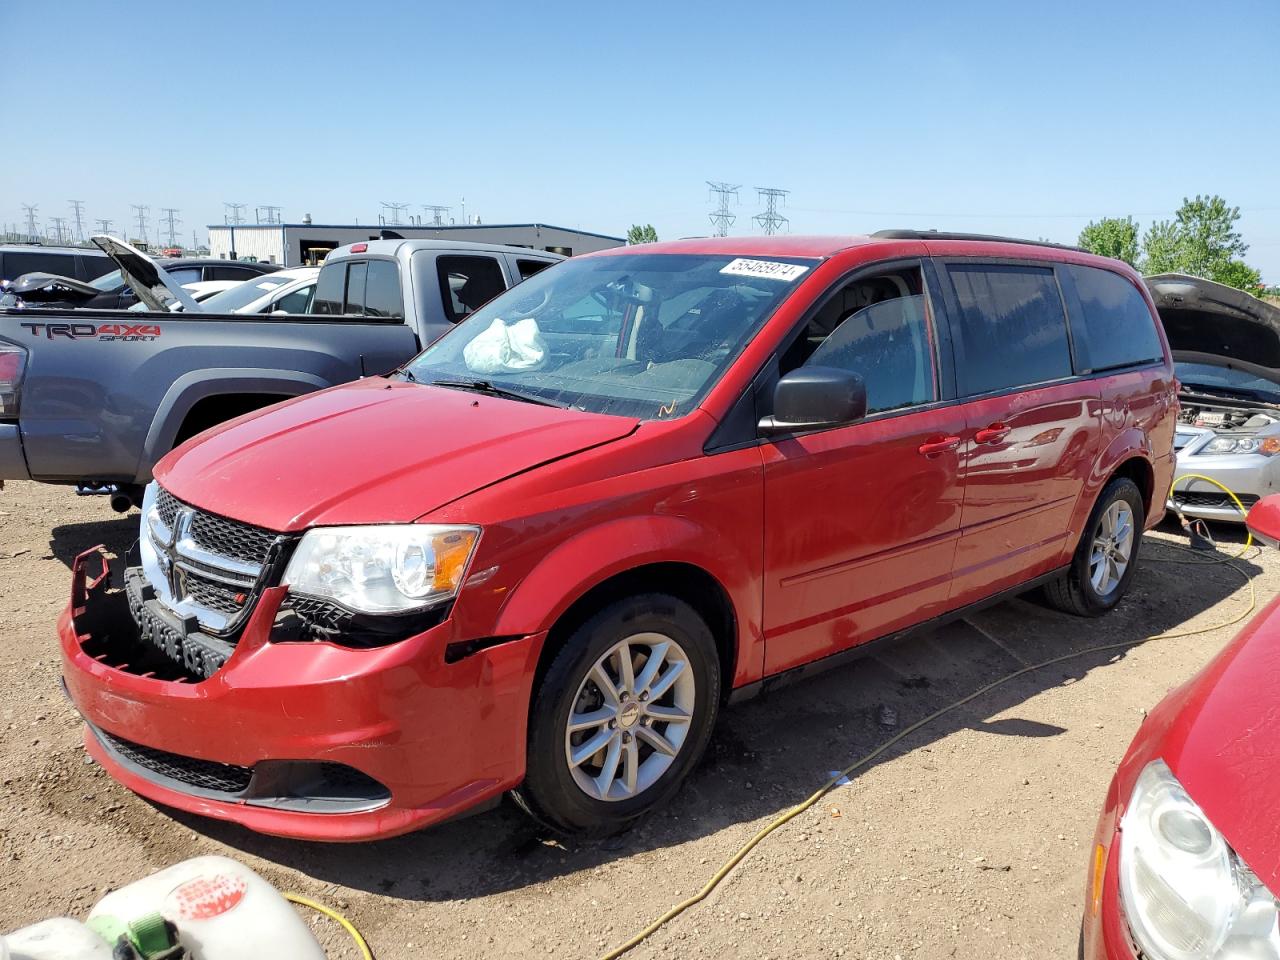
95	397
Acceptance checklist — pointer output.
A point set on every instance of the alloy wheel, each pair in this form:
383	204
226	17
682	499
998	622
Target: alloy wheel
1112	548
630	717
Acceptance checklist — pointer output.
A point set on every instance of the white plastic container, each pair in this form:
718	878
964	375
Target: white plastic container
222	911
57	939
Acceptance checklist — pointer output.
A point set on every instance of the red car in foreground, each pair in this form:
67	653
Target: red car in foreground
542	555
1186	859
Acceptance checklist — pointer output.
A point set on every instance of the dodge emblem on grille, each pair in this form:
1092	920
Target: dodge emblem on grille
181	531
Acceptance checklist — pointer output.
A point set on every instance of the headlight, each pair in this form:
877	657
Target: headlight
382	569
1266	446
1186	894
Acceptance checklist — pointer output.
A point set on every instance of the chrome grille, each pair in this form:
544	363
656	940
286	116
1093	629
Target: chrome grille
202	564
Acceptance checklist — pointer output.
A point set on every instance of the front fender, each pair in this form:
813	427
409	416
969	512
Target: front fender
593	556
196	385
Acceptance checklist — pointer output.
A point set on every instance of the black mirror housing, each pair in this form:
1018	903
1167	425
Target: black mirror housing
815	398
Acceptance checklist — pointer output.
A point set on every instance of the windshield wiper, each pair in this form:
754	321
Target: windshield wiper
486	386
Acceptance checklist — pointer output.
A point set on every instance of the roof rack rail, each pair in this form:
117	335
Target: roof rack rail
948	235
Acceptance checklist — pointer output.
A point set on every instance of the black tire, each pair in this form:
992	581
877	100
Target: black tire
1074	592
549	792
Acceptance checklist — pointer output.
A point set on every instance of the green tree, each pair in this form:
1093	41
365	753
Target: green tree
1200	240
1112	237
639	234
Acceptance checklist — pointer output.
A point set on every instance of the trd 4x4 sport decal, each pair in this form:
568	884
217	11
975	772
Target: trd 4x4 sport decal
107	331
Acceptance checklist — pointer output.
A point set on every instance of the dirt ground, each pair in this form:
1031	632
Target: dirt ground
969	840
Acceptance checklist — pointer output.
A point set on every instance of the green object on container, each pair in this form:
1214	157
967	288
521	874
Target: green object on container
149	934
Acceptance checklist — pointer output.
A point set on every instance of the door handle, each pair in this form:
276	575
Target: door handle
992	434
941	445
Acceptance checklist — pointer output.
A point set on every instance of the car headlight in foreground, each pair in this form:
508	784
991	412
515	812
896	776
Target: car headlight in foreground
382	569
1186	895
1266	446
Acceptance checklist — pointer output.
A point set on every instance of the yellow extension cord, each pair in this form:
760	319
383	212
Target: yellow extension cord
822	791
334	915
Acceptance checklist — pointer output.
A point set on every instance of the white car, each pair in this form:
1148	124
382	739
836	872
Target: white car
285	291
200	291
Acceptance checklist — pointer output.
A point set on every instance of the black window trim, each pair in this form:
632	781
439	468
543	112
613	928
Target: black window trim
728	435
954	312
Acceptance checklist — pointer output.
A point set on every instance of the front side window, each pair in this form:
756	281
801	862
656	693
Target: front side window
644	335
296	301
467	283
1118	326
187	275
1012	327
878	328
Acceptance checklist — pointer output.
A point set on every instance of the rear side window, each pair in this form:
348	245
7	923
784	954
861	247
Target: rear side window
467	283
1012	327
185	275
1119	330
93	267
528	268
330	287
231	273
382	290
15	265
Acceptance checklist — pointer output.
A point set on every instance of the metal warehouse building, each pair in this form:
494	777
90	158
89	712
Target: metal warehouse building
295	244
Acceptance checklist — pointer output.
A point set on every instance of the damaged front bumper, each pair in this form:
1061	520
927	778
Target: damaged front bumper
301	739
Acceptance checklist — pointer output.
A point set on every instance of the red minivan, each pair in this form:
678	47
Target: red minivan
541	556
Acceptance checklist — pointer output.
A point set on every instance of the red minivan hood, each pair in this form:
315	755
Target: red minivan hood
1224	743
374	451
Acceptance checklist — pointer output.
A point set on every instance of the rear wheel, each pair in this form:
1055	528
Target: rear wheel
1107	555
621	716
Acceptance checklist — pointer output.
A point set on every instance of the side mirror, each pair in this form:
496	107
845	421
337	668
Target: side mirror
1264	520
815	398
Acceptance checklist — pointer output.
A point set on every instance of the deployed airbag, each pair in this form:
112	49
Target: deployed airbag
502	348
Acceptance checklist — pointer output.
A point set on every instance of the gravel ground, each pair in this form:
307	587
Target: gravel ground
970	839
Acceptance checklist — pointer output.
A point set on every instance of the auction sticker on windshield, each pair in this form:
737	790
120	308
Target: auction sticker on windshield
764	268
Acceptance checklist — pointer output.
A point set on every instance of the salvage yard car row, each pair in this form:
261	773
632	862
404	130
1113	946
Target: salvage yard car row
539	556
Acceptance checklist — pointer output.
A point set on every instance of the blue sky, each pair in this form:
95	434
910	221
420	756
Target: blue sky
1017	118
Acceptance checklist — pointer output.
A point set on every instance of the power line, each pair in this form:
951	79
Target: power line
392	215
722	217
31	209
267	214
235	213
437	213
78	207
171	221
104	226
59	229
140	210
770	219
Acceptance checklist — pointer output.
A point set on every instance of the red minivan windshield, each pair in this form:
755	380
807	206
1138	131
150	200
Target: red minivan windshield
640	335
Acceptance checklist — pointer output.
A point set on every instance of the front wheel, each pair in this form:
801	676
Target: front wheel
621	716
1107	555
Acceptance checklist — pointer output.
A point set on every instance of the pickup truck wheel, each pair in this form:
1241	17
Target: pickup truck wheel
621	716
1107	555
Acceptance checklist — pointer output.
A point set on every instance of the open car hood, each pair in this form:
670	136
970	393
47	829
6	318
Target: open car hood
150	284
1208	322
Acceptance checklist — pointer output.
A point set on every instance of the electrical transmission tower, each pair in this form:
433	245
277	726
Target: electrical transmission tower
391	216
171	221
59	230
267	214
770	220
437	213
234	213
722	217
104	226
31	209
140	210
78	207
